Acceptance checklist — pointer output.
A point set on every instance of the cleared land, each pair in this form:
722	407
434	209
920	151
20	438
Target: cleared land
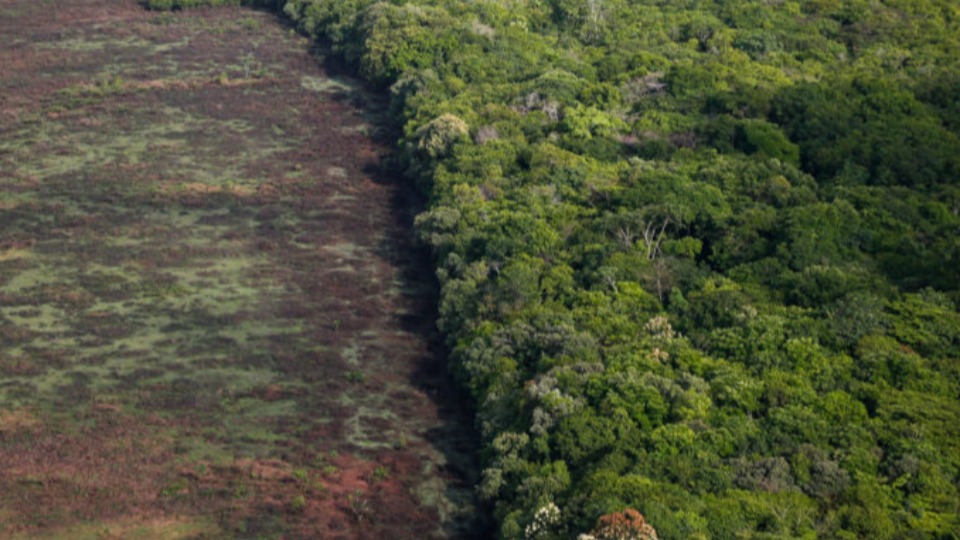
212	321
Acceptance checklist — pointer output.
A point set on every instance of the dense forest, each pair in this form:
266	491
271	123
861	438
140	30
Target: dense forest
698	258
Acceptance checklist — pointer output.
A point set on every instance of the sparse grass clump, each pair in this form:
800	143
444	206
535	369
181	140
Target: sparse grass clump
359	505
298	504
379	474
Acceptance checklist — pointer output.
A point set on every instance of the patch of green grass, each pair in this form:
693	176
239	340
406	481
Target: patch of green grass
379	474
81	42
298	504
326	84
174	489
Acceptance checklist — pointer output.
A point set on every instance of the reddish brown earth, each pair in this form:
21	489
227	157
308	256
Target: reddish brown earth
213	322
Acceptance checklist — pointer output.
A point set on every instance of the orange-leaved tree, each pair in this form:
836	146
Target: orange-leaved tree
626	525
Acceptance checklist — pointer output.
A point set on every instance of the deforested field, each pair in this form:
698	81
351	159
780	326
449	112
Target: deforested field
213	322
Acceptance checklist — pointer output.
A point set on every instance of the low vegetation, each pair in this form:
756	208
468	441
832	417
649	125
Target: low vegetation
213	323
